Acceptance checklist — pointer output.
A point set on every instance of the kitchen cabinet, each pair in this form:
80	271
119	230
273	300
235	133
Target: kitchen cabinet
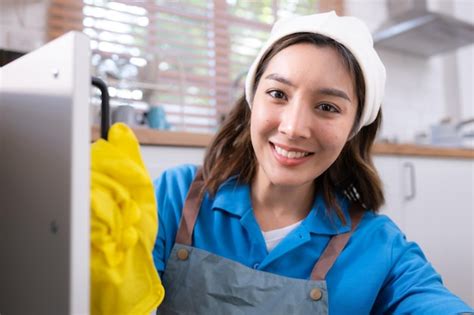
432	201
159	158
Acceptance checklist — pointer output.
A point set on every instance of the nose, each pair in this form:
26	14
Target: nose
295	121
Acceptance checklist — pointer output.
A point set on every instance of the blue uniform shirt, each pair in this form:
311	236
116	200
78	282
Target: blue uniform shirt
377	272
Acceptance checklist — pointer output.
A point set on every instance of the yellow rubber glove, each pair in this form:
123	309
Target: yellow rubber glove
124	226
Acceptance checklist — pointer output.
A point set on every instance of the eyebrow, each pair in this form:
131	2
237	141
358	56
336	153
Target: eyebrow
276	77
334	92
325	91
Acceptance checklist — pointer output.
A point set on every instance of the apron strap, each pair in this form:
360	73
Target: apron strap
336	245
190	210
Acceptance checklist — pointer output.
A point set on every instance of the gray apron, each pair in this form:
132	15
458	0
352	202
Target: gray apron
199	282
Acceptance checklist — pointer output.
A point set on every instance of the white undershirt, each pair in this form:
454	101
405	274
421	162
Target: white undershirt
273	237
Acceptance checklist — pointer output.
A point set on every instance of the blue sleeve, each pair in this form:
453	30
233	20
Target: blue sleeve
413	286
171	189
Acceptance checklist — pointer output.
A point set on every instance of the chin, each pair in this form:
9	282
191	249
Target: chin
289	179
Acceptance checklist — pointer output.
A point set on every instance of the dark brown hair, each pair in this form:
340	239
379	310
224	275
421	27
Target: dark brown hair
353	172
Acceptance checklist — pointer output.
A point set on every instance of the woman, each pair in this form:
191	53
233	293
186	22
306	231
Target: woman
281	219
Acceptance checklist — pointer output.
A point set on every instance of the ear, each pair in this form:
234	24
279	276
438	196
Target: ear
355	128
351	136
354	131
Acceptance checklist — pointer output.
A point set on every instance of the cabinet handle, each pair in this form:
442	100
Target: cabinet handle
411	169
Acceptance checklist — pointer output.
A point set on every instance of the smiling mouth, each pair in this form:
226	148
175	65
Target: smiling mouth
290	154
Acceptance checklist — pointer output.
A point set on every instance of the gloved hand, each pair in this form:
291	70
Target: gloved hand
124	226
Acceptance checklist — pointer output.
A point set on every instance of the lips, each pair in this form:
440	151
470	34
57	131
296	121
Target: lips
289	156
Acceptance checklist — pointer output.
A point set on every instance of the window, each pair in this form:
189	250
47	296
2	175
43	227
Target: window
189	57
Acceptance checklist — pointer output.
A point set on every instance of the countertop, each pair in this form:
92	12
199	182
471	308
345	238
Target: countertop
152	137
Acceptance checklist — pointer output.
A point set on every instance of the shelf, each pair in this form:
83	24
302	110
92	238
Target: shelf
148	136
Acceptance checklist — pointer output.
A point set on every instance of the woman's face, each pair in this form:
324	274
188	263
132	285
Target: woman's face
302	114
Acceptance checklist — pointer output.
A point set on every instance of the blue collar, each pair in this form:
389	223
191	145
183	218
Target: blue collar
324	220
235	199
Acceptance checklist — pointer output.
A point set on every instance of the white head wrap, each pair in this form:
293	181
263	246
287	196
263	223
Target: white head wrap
350	32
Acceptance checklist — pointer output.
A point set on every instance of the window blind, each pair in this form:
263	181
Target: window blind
190	57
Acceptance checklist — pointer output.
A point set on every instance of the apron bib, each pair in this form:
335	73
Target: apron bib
199	282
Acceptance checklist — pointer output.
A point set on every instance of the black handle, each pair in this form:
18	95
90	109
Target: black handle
104	108
411	168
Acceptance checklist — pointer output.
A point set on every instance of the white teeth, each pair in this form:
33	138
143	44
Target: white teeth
290	154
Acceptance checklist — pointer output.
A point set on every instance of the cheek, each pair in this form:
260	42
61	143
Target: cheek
261	119
332	135
256	127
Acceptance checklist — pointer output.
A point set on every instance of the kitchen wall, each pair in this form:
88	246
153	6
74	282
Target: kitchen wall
420	91
22	24
465	63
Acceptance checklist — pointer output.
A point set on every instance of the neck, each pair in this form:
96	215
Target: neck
278	206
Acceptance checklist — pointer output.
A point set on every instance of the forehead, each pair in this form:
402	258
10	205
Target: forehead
314	55
308	64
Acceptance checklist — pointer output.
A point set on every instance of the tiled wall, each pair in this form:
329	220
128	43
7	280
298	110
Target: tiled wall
422	91
22	24
465	10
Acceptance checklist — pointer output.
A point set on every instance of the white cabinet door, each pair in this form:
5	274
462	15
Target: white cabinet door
389	170
438	214
159	158
432	201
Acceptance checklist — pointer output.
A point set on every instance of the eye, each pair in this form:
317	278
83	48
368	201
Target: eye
277	94
325	107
